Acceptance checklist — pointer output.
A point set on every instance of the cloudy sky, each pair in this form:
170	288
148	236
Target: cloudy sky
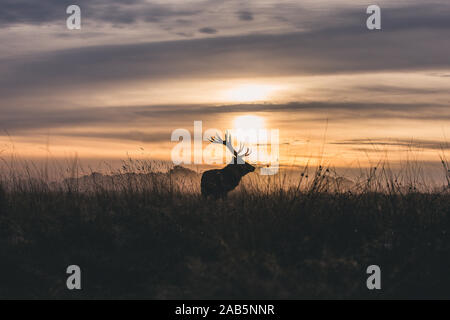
139	69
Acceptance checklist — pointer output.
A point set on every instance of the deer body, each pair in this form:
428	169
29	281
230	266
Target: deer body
217	183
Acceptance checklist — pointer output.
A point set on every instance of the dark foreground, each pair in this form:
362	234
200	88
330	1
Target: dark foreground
164	246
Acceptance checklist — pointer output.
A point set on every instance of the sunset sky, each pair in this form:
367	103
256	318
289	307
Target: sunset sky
139	69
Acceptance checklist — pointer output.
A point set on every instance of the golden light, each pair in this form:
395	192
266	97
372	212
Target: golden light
251	130
248	122
247	128
249	93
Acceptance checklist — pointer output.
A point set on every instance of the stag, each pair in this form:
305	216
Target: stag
217	183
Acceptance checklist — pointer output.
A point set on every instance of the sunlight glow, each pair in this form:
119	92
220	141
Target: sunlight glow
246	128
248	122
249	93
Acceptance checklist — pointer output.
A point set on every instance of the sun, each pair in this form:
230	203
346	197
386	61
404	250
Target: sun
247	128
249	93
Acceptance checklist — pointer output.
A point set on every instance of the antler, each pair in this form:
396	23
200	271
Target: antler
217	139
241	148
227	142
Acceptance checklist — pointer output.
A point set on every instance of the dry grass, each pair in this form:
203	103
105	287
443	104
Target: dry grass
144	232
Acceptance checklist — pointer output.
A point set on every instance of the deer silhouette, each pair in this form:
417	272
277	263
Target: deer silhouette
217	183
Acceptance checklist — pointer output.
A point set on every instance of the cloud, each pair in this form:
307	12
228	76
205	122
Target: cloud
294	54
395	16
208	30
245	15
171	115
441	75
402	143
401	90
417	16
320	111
340	45
337	42
107	11
135	135
185	34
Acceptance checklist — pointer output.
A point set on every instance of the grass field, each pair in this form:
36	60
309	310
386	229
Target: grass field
154	241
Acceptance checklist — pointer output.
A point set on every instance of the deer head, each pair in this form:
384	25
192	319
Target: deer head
218	183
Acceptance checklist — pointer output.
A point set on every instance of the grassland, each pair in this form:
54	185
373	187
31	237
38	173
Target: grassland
153	240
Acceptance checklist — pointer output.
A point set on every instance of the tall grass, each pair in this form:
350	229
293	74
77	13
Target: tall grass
144	231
